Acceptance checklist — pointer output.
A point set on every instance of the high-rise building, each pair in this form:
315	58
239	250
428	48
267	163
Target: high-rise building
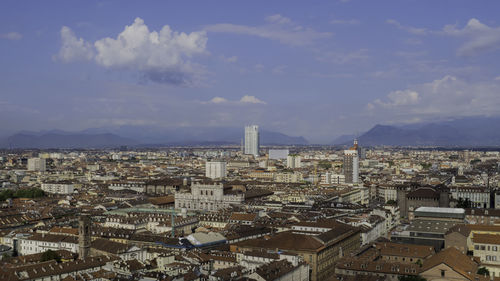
293	161
215	169
252	140
351	164
36	164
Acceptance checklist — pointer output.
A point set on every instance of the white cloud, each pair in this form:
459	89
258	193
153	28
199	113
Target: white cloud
278	28
399	98
345	22
497	78
410	29
478	37
449	96
73	48
218	100
246	99
12	36
161	56
251	99
279	19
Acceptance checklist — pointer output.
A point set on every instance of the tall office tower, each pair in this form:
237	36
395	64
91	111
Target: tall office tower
252	140
351	164
293	161
36	164
215	169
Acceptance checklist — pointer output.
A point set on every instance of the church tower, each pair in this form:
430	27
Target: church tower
84	235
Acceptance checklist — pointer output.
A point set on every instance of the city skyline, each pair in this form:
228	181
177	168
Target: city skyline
318	70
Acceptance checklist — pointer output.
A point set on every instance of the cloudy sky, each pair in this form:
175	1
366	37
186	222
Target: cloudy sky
318	69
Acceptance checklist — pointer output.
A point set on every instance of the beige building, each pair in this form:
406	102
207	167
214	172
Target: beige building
451	264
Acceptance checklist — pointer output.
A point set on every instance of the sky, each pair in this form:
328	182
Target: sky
318	69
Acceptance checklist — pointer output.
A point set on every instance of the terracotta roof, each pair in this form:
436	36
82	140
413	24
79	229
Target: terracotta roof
405	250
162	200
486	238
109	246
243	217
453	258
423	192
285	241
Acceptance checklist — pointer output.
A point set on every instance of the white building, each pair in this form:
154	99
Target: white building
215	169
41	242
478	196
36	164
252	140
277	154
58	188
208	197
293	161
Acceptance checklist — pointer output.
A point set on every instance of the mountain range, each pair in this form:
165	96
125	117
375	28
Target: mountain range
140	136
468	132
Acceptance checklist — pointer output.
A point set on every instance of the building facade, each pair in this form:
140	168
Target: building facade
252	140
215	169
207	197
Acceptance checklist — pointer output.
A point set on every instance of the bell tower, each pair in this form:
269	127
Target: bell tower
84	235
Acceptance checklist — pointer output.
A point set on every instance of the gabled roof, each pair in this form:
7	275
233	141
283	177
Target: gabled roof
454	259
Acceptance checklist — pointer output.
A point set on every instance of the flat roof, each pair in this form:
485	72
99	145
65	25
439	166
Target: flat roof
441	210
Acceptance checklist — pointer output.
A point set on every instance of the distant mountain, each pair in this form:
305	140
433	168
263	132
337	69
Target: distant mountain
472	131
196	135
65	140
141	136
343	139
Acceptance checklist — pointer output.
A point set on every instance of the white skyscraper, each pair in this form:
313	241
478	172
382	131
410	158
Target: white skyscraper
351	164
36	164
215	169
252	140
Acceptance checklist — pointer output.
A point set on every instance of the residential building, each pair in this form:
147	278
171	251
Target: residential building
36	164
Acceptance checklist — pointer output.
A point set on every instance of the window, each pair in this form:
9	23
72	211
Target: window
442	273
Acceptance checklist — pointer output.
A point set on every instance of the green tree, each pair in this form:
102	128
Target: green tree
483	271
464	203
50	255
391	202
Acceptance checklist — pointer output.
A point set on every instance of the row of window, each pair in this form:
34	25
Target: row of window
485	248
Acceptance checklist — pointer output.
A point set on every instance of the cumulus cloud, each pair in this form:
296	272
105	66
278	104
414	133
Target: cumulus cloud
278	28
251	99
410	29
399	98
73	48
246	99
444	97
218	100
478	37
160	56
12	36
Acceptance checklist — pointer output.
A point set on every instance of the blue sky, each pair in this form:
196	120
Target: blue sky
318	69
